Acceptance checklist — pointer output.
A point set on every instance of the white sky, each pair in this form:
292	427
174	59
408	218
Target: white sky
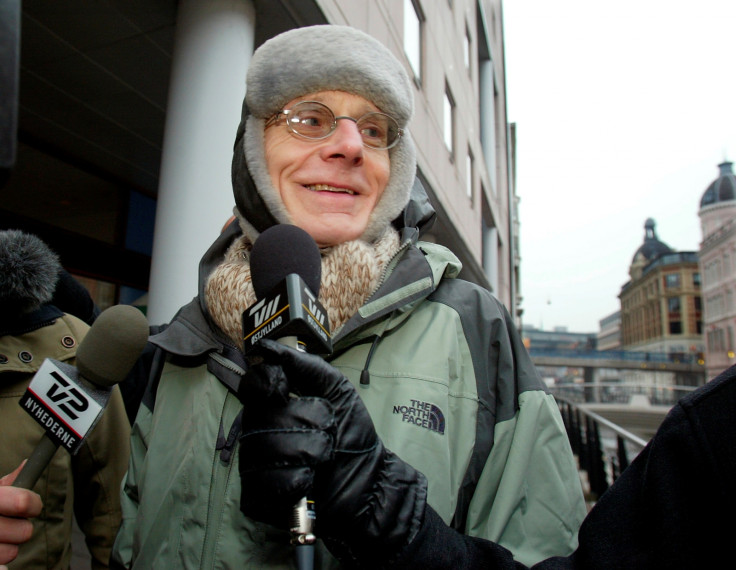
623	111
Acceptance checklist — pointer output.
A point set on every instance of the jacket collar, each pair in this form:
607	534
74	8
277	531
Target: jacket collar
42	317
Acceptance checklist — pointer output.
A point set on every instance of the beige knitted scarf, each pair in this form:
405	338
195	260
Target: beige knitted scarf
350	273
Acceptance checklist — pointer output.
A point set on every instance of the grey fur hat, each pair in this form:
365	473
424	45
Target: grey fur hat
306	60
29	271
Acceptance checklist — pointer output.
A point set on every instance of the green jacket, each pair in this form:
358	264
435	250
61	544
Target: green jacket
449	386
85	485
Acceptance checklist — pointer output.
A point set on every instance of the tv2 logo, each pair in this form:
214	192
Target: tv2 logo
67	397
263	315
316	313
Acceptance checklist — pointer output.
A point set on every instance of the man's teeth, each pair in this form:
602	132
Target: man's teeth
326	188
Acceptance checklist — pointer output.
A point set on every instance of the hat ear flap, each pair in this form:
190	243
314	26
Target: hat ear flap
248	201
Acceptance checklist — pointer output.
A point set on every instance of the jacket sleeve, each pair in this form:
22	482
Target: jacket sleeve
528	498
98	468
661	512
122	555
521	487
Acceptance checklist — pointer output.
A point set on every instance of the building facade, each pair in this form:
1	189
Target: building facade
609	333
660	306
718	267
127	115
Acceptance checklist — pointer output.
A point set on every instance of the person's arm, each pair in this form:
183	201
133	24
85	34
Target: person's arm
122	553
17	506
529	498
521	489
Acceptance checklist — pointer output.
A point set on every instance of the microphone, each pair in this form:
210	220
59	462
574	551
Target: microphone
67	401
286	269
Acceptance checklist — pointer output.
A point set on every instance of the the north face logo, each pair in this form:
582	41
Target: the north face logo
422	414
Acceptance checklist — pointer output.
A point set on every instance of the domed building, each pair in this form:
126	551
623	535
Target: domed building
718	266
650	250
660	305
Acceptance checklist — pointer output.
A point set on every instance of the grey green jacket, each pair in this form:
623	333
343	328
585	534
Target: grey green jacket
449	386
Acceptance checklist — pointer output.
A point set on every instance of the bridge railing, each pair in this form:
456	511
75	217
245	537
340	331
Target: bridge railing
603	448
621	393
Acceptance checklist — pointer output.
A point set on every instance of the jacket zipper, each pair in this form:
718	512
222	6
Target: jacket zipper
227	363
384	274
390	267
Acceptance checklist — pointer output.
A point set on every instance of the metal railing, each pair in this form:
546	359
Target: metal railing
604	449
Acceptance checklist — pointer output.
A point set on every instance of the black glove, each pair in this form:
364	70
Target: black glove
322	444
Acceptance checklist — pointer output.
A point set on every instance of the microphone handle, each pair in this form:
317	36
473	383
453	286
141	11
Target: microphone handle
302	526
36	463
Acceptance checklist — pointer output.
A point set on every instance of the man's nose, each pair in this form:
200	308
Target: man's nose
346	140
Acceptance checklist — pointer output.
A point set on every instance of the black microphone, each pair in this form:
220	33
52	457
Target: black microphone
286	269
67	401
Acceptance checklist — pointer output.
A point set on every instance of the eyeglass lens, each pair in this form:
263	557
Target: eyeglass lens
314	120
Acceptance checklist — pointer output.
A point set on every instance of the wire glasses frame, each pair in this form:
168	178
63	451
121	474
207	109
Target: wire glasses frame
315	121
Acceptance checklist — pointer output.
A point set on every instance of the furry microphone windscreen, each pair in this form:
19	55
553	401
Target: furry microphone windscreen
29	271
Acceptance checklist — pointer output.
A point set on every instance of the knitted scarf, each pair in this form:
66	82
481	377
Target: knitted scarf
350	274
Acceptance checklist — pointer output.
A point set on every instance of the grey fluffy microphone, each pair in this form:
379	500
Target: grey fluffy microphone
69	401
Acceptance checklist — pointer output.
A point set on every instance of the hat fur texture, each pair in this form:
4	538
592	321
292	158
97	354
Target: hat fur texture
29	271
324	58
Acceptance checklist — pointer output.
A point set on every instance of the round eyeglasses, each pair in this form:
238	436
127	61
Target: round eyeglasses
314	120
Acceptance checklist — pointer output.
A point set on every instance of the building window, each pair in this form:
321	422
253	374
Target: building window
696	279
467	43
673	305
492	249
672	280
469	175
675	327
449	121
413	37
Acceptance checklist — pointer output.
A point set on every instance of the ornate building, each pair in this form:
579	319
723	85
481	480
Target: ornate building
660	305
718	266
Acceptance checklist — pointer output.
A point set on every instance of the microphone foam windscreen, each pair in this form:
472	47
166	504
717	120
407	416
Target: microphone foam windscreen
281	250
112	345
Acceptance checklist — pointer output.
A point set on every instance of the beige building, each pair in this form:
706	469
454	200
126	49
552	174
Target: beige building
660	305
718	268
127	115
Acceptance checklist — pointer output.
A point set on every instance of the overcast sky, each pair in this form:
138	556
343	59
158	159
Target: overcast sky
623	111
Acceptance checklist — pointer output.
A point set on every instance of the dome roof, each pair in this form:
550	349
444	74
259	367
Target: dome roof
722	189
652	248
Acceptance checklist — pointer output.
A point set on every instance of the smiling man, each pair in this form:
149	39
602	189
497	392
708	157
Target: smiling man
224	446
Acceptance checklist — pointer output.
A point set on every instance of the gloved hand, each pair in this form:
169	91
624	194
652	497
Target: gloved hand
322	444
